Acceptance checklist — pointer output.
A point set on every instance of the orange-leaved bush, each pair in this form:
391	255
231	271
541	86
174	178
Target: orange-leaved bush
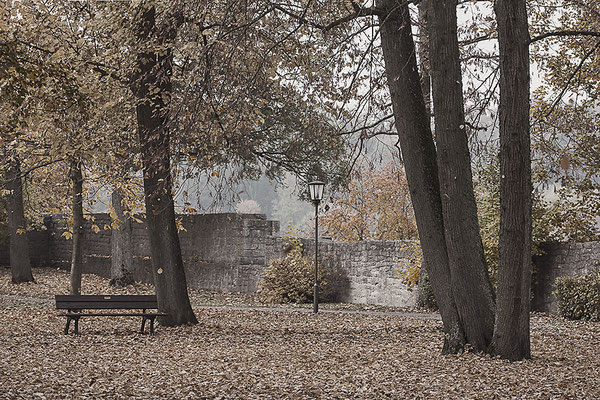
375	206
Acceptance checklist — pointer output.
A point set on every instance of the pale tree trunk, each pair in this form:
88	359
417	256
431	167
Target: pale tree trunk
78	230
152	87
468	269
511	333
419	154
20	263
121	264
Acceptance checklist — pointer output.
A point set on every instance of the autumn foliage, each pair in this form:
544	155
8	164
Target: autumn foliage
375	206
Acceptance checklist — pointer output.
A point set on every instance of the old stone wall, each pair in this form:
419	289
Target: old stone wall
226	252
229	252
561	259
368	272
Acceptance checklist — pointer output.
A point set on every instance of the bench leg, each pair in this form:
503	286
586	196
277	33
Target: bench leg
76	325
143	324
67	325
152	325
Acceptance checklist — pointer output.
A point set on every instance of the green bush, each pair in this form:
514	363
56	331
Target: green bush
291	280
579	296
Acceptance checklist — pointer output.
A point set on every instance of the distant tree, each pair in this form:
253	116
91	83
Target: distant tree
121	260
565	135
19	245
374	206
76	176
288	207
248	207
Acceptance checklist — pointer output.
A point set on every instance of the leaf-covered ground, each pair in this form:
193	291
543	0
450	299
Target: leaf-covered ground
285	353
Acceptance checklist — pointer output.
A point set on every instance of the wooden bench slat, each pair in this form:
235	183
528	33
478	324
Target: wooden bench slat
79	305
105	301
95	297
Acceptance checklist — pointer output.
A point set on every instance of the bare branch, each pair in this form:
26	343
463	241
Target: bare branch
562	34
477	39
371	126
359	11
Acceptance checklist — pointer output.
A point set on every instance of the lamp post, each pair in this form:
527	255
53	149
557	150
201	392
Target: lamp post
315	189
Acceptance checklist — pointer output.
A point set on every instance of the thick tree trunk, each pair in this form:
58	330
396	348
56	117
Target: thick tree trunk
20	263
78	231
152	88
470	279
511	333
419	154
121	264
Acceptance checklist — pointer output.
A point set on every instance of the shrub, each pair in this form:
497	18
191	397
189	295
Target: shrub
579	296
291	279
412	274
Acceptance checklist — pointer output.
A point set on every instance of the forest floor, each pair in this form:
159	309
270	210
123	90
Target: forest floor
241	349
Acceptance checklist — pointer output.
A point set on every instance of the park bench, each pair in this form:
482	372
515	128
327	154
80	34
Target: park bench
77	306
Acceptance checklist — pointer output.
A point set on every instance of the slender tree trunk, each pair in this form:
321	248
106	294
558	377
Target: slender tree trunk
419	154
121	264
470	278
423	52
426	81
78	231
20	263
152	88
511	333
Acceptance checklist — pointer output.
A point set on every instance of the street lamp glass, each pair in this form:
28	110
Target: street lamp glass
316	190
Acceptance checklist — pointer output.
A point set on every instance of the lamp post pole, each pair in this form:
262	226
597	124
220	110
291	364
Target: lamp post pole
315	190
316	293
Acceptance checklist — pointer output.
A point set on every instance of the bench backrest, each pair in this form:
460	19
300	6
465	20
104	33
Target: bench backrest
91	302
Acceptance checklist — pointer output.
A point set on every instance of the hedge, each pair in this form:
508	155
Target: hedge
579	296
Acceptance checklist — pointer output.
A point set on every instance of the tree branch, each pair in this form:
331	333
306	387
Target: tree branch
571	77
477	39
562	34
359	11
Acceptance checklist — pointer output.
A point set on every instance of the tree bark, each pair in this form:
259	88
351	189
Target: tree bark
468	269
419	154
20	263
78	229
152	88
423	52
121	264
511	333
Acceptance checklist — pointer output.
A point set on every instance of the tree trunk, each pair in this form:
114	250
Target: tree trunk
423	52
511	333
419	154
152	88
468	269
20	263
78	231
121	263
